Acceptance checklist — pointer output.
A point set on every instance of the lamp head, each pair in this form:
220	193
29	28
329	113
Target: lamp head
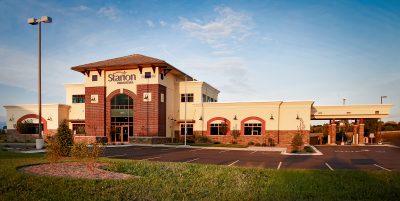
46	19
32	21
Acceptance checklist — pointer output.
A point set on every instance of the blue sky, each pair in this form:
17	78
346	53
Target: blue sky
250	50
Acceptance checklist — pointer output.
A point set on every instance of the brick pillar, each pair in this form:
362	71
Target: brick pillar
361	134
150	115
329	134
355	129
95	111
333	134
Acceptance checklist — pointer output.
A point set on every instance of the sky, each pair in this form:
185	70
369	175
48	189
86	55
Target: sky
250	50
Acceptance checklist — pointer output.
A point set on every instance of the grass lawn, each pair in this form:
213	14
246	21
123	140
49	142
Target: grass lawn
184	181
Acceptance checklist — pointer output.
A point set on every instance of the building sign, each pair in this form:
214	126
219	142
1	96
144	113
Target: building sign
94	98
147	97
121	77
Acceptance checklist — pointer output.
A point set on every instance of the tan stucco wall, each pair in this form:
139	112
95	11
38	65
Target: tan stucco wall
52	113
77	110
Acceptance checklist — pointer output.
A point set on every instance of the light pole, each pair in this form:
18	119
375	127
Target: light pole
382	97
34	21
186	99
344	101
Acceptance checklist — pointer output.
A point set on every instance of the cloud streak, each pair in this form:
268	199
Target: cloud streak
110	12
228	26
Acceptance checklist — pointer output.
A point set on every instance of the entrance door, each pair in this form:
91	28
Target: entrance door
121	134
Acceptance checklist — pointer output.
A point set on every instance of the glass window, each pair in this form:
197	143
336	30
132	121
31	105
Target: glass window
252	129
189	128
204	98
218	129
78	98
78	128
94	77
147	75
189	98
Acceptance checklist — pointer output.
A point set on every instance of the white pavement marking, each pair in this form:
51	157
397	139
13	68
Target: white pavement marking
279	165
329	167
116	155
195	150
223	151
382	167
253	152
191	160
151	158
233	163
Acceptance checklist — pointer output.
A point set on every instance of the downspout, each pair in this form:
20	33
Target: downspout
279	119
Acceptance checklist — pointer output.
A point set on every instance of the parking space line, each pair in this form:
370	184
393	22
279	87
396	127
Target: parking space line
233	163
195	150
253	152
151	158
191	160
223	151
116	155
329	167
382	167
279	165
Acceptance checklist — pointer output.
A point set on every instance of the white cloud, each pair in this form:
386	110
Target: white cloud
228	26
150	23
82	8
163	23
109	12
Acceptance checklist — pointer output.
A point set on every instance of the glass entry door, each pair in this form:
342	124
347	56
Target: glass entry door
121	134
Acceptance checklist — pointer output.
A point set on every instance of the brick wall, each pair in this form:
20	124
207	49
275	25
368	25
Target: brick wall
150	117
95	112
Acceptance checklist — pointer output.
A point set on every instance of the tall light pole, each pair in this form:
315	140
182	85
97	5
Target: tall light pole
34	21
382	97
186	99
344	101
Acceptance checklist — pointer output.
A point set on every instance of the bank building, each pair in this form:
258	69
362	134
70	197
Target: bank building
140	99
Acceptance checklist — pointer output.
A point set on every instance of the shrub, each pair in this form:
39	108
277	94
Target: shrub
189	141
250	143
217	142
203	139
271	142
308	149
297	141
53	150
80	151
64	138
264	144
258	144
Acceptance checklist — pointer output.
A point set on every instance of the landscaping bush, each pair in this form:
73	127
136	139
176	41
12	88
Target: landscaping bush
308	149
258	144
271	142
203	139
264	144
250	143
80	151
217	142
64	138
53	150
297	142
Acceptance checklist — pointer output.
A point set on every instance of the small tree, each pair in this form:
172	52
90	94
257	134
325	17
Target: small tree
64	138
297	141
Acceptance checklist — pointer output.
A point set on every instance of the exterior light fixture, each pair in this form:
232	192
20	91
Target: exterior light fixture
235	118
49	118
201	118
297	117
272	117
11	119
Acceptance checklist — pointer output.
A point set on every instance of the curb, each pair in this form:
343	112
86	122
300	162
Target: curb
317	153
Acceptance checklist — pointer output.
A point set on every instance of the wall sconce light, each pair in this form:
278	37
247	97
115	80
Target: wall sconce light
235	118
297	117
49	119
201	118
272	117
11	119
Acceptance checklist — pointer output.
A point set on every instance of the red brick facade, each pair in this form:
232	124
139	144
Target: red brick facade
95	112
150	117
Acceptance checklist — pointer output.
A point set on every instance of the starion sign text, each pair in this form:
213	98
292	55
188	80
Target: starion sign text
121	77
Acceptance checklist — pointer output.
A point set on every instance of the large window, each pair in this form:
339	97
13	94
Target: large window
28	127
78	129
189	128
189	98
218	129
78	98
252	129
121	117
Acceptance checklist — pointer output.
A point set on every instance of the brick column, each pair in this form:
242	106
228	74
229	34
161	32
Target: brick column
361	134
333	134
329	134
355	129
95	111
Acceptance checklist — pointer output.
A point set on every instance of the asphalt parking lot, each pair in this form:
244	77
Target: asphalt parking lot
370	158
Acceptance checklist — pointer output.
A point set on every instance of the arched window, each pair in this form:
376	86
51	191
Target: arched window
218	126
121	118
253	126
